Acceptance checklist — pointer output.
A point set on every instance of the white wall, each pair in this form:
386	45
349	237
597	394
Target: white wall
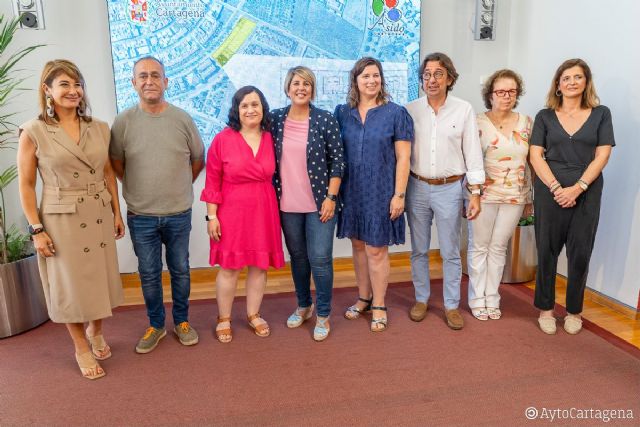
531	37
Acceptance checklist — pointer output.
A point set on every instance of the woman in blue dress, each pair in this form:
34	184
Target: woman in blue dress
377	137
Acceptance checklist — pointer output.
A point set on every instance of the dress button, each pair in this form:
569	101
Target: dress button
86	249
80	199
92	171
103	244
83	225
76	174
99	221
96	196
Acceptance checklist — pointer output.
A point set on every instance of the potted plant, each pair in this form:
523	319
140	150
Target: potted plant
522	257
22	304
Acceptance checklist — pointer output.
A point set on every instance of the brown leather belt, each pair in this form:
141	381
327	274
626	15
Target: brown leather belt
437	181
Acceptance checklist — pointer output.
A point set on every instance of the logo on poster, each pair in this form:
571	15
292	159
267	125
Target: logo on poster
138	11
387	18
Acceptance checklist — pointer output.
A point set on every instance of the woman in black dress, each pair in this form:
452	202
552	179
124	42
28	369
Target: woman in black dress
570	145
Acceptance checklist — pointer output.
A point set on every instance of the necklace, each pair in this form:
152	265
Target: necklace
503	123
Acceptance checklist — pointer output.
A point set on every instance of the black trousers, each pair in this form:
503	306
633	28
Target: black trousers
557	227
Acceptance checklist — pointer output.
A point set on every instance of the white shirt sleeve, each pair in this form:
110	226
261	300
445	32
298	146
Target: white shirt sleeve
472	150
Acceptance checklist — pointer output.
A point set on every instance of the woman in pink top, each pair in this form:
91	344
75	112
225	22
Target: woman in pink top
242	211
308	174
504	135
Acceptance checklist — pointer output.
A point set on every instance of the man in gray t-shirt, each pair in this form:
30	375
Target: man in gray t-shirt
157	153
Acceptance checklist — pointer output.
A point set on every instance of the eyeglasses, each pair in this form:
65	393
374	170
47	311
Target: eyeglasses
501	93
438	75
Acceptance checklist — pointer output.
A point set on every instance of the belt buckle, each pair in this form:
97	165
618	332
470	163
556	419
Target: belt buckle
92	188
444	180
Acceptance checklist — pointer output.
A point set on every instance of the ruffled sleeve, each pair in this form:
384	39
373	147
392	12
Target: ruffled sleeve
212	192
403	126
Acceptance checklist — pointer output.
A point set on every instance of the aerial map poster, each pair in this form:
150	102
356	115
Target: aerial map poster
210	48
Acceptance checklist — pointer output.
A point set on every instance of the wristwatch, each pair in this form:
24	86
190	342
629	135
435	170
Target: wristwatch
476	192
332	197
210	217
34	229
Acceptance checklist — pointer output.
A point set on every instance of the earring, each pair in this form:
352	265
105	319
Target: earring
50	111
80	110
558	93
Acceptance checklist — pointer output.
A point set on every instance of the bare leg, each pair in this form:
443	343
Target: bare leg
361	269
378	262
226	283
256	283
94	328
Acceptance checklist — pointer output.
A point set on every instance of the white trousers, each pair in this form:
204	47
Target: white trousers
489	235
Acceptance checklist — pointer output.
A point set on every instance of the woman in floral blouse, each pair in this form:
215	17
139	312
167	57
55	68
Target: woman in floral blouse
504	135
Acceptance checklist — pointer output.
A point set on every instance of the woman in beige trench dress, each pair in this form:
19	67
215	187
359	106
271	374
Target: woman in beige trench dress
75	227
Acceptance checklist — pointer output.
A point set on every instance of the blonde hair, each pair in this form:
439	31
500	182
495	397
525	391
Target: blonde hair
306	74
51	71
353	97
589	97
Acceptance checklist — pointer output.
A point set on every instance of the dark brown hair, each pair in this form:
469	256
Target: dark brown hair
445	61
353	96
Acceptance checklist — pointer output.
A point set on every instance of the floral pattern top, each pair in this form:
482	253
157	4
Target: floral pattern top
508	179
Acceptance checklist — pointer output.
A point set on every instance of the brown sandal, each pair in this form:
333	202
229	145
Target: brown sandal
99	347
222	332
261	330
89	367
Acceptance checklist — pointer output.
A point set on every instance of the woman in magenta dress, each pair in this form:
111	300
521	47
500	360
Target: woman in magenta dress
242	211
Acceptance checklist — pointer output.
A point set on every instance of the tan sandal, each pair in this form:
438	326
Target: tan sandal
261	330
99	347
89	367
224	332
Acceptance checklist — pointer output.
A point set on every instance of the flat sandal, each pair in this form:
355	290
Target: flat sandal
221	332
261	330
379	324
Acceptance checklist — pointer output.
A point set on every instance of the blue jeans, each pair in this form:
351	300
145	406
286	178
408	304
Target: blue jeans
310	245
444	203
148	234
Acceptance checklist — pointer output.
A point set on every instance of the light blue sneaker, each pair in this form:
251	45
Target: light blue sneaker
299	316
321	331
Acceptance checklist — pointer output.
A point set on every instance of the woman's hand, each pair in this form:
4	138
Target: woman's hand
118	226
396	207
566	197
473	209
43	244
528	210
213	229
327	210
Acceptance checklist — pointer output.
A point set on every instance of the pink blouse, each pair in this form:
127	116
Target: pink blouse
297	196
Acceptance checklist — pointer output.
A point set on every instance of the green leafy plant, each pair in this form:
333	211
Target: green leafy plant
12	242
526	221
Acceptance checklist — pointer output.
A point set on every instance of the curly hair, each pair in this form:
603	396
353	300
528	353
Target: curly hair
487	88
234	111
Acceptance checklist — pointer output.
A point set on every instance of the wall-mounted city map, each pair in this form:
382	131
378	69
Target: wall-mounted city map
210	48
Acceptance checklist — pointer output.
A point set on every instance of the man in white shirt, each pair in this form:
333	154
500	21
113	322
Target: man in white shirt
446	149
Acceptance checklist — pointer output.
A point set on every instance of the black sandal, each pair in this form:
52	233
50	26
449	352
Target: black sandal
354	312
379	324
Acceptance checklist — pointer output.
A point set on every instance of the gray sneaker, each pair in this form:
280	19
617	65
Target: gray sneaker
150	339
186	334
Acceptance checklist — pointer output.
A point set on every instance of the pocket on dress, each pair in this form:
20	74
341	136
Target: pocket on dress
66	208
106	198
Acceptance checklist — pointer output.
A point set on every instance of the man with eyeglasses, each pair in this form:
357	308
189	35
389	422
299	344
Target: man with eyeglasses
445	151
157	153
